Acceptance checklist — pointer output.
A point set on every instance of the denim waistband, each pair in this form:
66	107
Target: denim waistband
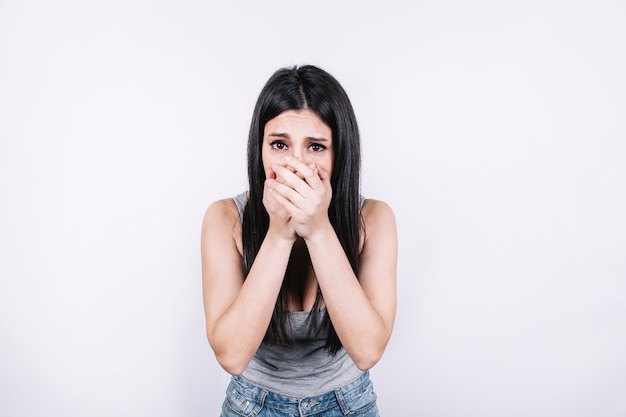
249	394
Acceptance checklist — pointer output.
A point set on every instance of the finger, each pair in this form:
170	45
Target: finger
286	206
285	176
274	207
275	167
313	166
295	171
324	177
323	174
268	199
307	171
287	192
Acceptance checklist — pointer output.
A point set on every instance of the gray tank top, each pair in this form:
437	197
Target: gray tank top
305	368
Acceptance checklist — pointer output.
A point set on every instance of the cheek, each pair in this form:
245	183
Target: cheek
327	165
267	160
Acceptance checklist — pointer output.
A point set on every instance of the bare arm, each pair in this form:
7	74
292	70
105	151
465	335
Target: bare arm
238	312
362	311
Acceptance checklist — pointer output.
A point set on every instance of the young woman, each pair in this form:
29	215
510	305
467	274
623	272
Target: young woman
299	273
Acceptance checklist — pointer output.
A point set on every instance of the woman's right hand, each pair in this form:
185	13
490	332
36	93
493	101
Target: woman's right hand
280	220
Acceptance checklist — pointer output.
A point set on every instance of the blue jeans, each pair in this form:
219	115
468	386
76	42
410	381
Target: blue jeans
244	399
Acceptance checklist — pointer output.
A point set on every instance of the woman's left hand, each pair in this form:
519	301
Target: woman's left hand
305	193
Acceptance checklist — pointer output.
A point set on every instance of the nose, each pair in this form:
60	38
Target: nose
297	153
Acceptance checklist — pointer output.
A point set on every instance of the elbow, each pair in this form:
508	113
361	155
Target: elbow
233	364
365	364
367	359
230	358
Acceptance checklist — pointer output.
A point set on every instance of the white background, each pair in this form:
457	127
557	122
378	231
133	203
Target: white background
496	132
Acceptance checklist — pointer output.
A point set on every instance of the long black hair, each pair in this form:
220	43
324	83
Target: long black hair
306	87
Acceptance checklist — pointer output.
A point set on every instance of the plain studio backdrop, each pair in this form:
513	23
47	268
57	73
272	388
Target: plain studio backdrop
496	131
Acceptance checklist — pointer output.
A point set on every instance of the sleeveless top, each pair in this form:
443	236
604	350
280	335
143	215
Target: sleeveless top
305	368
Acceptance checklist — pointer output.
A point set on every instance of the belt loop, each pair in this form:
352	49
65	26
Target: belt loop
342	402
261	398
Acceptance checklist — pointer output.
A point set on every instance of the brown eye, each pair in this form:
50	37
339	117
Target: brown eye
316	147
278	145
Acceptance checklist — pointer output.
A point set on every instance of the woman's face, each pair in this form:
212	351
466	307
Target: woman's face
299	134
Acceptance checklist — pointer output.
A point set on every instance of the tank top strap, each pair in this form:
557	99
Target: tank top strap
240	201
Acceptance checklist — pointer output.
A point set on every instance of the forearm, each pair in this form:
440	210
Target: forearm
360	327
237	333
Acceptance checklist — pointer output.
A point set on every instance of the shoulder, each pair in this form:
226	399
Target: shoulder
221	220
376	211
378	220
220	211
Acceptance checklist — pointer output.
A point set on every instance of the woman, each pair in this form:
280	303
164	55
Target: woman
299	273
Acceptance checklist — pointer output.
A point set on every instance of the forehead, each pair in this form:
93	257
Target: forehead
298	122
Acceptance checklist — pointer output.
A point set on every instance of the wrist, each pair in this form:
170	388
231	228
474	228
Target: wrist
320	234
280	238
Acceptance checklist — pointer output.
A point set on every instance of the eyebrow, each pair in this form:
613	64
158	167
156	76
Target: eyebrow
286	136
